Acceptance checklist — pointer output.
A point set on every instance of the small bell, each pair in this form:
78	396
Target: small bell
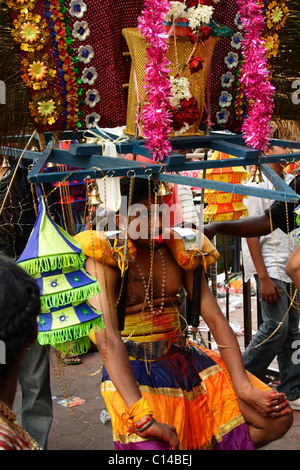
93	196
163	189
5	162
257	177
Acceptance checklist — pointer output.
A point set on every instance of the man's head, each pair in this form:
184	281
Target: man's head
147	212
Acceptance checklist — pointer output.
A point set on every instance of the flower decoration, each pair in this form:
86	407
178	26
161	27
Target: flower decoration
183	106
23	5
195	13
155	114
85	54
227	80
255	76
222	116
231	60
238	22
276	14
271	43
195	64
81	30
89	75
92	98
236	40
225	99
37	71
77	8
30	32
200	15
91	120
46	107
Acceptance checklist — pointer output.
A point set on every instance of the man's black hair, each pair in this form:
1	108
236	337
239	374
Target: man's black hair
140	188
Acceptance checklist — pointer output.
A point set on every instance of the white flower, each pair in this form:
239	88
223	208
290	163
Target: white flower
227	79
236	40
238	22
92	98
77	8
222	116
225	99
89	75
180	90
184	128
177	10
91	120
199	15
231	60
81	30
85	54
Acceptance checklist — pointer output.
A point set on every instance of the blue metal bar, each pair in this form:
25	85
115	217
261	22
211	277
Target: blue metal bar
287	195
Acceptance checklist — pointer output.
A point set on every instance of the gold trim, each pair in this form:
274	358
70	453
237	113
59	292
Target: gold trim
108	386
210	371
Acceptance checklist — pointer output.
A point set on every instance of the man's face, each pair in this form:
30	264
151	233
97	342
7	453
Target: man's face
146	221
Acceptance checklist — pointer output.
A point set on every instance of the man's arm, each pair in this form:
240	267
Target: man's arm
269	290
113	351
229	349
293	268
248	227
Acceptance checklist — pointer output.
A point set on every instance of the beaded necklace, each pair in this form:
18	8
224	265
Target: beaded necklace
144	284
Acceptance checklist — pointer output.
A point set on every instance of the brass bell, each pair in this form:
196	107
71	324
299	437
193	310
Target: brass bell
93	196
5	162
257	177
163	189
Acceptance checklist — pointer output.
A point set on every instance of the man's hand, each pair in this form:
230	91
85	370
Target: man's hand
269	290
162	432
269	404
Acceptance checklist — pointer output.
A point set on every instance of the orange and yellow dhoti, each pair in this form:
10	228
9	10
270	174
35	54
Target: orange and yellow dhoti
188	387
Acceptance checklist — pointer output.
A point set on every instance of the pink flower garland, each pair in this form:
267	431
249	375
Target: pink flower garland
258	89
156	116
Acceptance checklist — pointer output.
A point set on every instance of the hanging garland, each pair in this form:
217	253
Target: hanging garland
255	76
156	115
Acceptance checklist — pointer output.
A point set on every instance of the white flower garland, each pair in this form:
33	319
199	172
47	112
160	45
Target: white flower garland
180	90
197	16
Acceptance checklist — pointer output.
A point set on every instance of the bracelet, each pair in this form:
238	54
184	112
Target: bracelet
149	420
139	426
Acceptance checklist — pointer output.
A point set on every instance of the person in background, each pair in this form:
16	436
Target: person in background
280	215
19	309
17	219
266	257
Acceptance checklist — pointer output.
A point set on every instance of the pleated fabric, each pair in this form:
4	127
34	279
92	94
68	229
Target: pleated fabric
190	390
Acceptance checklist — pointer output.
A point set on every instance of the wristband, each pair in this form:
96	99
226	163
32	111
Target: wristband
145	426
138	410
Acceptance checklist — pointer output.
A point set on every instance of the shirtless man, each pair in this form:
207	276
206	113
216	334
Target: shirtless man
258	407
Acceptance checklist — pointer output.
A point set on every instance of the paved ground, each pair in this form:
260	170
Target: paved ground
82	429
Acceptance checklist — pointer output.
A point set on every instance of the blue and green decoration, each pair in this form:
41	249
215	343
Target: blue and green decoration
56	261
